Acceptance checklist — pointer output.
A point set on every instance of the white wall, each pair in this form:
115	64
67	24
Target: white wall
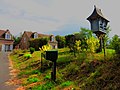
3	47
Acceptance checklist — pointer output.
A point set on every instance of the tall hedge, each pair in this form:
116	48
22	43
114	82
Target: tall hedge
39	42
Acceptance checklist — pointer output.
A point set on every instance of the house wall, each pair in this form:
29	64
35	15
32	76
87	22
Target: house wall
24	43
6	46
53	45
0	47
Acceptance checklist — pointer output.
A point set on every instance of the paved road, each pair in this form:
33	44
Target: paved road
4	72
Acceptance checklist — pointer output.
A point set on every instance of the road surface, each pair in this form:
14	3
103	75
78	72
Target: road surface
5	72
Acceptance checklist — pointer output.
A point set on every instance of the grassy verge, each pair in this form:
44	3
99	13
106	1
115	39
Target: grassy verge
82	72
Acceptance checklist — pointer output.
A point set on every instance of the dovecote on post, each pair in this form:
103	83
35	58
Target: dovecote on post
97	21
98	26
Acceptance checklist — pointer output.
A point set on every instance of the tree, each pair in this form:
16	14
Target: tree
115	43
61	41
93	44
84	35
70	41
106	38
16	41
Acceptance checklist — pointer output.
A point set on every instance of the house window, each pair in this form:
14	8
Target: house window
7	36
35	35
52	39
24	40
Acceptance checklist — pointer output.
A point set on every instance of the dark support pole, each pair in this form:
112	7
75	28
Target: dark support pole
41	62
100	44
104	47
53	73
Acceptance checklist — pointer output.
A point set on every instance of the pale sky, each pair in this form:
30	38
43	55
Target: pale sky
55	16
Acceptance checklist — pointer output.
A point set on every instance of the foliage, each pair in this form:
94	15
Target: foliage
32	79
107	35
77	45
39	42
61	41
47	77
16	41
93	44
67	83
115	43
32	50
83	35
77	48
16	51
47	86
97	73
45	48
27	56
70	40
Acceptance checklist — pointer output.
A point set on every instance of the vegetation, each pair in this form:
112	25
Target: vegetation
115	43
61	41
39	42
79	67
32	50
84	71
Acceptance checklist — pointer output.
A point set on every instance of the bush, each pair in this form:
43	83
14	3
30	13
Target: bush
67	83
27	56
16	51
32	50
47	86
39	42
32	79
117	48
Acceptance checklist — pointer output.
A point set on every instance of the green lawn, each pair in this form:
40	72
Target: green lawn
72	72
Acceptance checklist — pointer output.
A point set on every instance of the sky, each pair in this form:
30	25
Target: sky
58	17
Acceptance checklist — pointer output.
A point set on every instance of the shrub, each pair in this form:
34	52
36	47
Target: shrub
32	50
67	83
32	79
39	42
27	56
117	48
47	77
16	51
47	86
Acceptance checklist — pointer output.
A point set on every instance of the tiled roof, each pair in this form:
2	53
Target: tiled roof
97	12
2	32
29	34
43	35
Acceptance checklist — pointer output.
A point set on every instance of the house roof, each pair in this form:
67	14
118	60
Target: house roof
2	32
29	34
96	12
43	35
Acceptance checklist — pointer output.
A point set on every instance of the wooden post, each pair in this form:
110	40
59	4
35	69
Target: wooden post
104	46
100	41
53	73
41	62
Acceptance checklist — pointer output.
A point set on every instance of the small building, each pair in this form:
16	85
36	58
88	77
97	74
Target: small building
27	36
98	24
98	21
6	40
53	42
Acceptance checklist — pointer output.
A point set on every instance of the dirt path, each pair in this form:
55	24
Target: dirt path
5	72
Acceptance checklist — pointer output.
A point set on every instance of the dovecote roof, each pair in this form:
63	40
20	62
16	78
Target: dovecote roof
96	13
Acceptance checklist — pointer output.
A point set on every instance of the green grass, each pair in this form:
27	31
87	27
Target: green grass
72	71
65	84
32	79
